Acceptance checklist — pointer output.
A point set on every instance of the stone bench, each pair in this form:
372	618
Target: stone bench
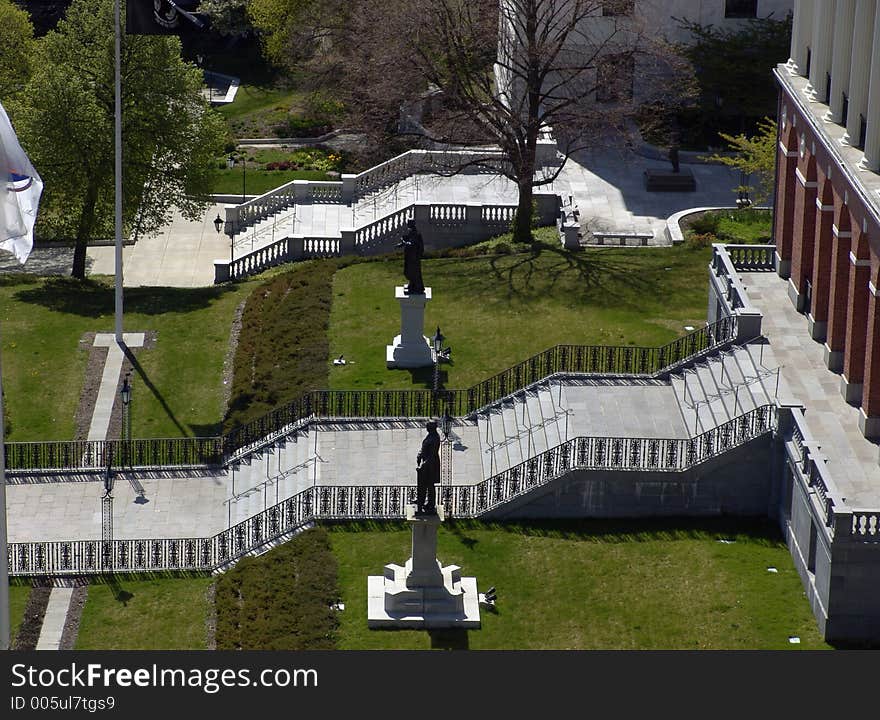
667	181
622	237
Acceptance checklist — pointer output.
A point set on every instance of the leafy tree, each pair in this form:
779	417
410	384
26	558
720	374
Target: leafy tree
228	17
296	31
733	68
755	157
16	49
506	73
65	121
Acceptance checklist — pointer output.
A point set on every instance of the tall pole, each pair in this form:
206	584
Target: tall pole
118	173
4	551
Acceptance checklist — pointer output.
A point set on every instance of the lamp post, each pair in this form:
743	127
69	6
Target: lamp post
107	519
438	343
125	395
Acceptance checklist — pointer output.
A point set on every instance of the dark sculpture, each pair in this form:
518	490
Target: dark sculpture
673	158
428	471
413	249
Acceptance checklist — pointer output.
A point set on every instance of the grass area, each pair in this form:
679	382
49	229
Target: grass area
497	310
258	182
177	387
164	613
728	226
281	600
595	585
18	596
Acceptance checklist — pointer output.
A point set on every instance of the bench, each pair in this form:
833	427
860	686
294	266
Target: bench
622	237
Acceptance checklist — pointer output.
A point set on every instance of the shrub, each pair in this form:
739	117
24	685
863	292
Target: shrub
282	600
700	240
705	224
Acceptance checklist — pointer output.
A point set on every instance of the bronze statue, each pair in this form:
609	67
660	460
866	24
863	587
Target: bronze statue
413	249
428	471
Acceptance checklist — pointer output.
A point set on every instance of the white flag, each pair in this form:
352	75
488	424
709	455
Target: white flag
20	190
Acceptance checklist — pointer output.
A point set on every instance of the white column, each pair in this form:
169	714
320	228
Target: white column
823	35
871	160
801	33
841	56
860	70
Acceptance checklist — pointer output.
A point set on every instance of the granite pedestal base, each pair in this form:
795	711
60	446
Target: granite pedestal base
422	593
410	349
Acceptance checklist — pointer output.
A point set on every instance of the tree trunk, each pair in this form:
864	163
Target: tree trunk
84	231
522	228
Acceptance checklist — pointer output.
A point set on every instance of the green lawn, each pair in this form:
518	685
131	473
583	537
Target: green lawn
498	310
18	597
596	585
177	389
145	614
257	182
730	226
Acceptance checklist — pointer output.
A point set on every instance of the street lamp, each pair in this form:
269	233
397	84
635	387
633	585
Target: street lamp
438	346
218	223
107	519
125	395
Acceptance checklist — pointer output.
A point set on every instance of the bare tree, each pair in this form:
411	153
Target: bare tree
508	71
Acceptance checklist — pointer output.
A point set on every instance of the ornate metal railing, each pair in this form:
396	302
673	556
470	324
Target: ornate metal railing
561	359
383	502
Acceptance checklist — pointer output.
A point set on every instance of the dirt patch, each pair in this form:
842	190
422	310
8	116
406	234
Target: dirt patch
74	614
211	618
92	384
32	623
229	358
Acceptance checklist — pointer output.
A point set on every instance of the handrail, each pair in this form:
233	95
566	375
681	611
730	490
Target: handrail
560	359
384	502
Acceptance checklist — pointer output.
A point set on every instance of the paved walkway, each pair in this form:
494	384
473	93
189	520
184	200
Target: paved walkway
607	184
55	618
852	459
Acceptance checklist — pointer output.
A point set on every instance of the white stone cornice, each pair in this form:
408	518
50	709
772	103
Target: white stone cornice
859	263
785	152
872	288
838	233
803	181
823	208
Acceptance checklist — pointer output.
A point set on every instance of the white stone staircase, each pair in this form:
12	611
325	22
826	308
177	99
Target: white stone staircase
721	387
275	473
521	426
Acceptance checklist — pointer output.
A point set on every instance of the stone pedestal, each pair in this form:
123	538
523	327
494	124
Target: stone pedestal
422	593
410	349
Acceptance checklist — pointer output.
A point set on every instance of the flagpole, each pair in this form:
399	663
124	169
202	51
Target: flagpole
118	174
4	547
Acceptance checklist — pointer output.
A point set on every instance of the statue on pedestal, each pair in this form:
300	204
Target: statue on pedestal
428	471
413	250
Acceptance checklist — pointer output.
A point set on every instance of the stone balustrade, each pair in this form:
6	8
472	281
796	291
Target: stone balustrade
728	296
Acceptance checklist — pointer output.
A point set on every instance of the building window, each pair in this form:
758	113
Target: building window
615	78
844	110
863	132
809	59
827	88
617	7
741	8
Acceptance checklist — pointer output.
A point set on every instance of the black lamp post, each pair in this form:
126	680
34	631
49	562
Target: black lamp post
125	395
107	519
438	343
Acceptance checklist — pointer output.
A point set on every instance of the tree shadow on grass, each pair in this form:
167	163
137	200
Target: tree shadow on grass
93	298
120	595
606	268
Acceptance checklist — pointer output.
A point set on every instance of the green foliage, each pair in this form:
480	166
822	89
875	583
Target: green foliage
293	31
282	346
228	17
282	600
743	226
16	49
756	157
733	67
65	122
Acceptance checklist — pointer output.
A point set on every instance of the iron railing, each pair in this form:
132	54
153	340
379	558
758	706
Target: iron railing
215	451
383	502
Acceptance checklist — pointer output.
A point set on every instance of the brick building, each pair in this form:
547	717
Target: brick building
827	221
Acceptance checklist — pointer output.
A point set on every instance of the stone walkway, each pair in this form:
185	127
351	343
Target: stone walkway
55	618
607	185
852	459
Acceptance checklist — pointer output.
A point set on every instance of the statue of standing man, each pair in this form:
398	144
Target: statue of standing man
413	249
428	471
